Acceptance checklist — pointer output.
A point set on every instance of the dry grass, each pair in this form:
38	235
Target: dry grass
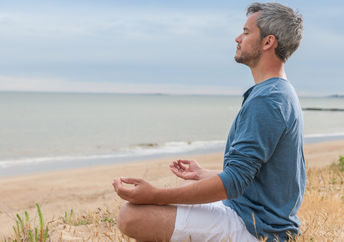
321	214
322	211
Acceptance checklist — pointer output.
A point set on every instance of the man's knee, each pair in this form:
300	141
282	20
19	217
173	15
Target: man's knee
127	218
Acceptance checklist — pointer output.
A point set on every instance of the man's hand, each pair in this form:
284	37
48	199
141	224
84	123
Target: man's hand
141	193
192	170
206	190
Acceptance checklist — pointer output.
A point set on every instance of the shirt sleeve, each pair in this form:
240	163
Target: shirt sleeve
259	128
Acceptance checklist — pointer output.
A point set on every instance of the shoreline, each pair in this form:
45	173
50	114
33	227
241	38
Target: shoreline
89	188
10	168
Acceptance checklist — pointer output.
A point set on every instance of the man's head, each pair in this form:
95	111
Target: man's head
273	21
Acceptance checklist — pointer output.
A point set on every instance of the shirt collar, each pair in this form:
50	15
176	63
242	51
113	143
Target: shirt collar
248	92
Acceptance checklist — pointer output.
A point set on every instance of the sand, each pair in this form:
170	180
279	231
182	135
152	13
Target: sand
90	188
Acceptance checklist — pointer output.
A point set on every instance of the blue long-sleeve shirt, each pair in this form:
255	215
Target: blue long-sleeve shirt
264	168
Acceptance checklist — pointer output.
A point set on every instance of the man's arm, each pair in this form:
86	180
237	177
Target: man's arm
203	191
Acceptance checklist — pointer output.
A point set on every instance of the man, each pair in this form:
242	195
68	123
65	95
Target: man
263	179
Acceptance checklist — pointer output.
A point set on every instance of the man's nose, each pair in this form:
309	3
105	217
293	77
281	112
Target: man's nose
238	39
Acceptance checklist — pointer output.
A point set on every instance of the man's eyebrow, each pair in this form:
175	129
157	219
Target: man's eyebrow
245	29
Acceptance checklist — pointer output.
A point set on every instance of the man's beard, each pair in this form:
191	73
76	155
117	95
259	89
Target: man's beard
249	59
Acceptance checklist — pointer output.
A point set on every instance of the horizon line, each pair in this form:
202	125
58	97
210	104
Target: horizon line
335	95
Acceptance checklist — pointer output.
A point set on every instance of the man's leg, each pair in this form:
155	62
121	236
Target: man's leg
147	222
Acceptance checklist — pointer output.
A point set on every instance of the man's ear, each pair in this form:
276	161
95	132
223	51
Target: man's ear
269	41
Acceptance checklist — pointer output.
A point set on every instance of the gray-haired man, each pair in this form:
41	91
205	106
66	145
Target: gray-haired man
261	187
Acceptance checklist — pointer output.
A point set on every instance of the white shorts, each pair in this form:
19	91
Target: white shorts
209	222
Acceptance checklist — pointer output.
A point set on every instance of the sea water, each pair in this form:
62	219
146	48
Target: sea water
44	131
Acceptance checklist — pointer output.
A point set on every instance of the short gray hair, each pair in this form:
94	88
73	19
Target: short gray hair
280	21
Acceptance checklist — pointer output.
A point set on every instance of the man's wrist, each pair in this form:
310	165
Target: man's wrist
205	173
159	196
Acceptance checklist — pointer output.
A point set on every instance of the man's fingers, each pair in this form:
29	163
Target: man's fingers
187	162
178	173
181	162
175	171
121	191
173	167
184	162
134	181
176	164
115	184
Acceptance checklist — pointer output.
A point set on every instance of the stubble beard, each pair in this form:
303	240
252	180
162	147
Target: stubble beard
249	59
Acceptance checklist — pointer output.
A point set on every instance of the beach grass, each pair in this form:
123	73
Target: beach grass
24	231
322	210
321	215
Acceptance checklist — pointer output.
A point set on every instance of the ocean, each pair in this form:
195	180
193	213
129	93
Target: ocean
49	131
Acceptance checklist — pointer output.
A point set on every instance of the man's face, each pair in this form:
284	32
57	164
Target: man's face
248	51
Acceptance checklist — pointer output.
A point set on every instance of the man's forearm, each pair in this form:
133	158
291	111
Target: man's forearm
208	173
204	191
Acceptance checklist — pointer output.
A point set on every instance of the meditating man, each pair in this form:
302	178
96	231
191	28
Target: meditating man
261	187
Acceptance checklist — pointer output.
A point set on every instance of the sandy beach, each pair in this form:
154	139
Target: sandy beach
90	188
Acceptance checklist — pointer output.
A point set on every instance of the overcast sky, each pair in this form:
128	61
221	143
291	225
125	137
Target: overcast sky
150	46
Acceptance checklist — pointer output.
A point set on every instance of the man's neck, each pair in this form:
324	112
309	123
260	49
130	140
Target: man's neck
266	70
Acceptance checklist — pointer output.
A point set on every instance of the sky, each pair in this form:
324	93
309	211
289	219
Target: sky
173	47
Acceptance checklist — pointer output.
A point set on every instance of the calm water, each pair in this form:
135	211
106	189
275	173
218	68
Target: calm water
39	128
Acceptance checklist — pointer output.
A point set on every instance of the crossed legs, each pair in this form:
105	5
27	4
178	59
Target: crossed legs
147	222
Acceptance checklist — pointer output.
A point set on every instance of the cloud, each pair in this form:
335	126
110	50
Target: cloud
151	25
120	34
145	44
121	24
125	44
